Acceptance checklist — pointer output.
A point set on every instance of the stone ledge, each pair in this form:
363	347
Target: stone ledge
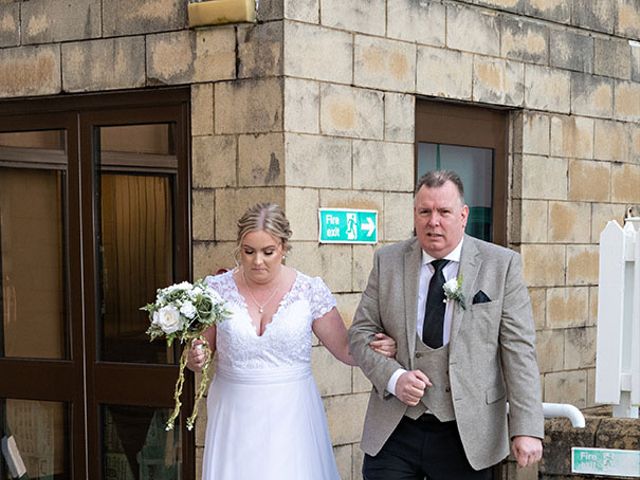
218	12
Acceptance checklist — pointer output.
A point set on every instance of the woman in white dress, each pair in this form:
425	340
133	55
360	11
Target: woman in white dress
265	418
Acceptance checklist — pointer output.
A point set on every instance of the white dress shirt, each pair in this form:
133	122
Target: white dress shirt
426	272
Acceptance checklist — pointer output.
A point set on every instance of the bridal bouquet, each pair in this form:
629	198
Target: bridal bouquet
184	311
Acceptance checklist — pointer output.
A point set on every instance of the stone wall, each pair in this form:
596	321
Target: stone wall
314	106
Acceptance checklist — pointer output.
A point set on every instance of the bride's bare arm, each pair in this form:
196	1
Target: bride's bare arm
331	331
197	356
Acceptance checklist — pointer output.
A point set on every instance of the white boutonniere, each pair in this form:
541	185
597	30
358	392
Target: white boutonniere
453	291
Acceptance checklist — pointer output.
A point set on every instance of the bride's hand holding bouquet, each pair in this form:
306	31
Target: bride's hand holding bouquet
183	311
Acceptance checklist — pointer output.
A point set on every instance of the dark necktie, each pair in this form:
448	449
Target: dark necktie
435	307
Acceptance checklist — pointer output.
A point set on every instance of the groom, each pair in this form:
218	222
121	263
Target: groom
439	409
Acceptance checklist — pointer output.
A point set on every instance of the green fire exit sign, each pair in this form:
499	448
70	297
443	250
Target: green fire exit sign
605	462
343	225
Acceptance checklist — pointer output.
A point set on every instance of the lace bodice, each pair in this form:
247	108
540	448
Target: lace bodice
286	341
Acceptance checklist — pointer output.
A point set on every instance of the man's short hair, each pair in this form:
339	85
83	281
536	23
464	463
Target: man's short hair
437	178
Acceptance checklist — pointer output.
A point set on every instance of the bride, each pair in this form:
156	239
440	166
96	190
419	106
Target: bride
265	416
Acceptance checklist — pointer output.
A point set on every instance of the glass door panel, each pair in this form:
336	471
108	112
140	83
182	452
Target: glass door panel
136	247
32	246
475	167
137	447
35	435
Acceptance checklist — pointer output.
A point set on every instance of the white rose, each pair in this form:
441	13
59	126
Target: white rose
188	310
168	319
451	286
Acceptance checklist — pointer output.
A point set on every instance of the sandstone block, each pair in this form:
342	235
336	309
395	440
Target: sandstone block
566	387
582	264
599	16
345	415
48	21
215	54
567	307
591	95
261	159
362	264
208	257
406	20
130	17
365	17
399	114
267	11
635	64
593	307
327	261
444	73
498	81
625	182
569	222
511	5
343	455
627	101
302	101
571	51
303	10
544	178
307	53
236	201
572	136
9	24
589	181
580	349
628	19
202	208
591	387
301	205
538	298
547	89
361	384
472	30
383	166
634	142
550	350
260	49
30	71
202	109
610	141
559	438
601	213
332	376
347	304
214	161
535	225
398	216
543	265
170	57
249	106
331	165
612	57
384	64
532	133
351	112
524	41
557	11
103	64
357	461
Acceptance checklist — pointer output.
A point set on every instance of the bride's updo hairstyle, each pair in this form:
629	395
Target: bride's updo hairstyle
268	217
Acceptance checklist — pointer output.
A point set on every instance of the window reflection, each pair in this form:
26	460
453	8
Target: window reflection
32	264
136	445
475	167
41	435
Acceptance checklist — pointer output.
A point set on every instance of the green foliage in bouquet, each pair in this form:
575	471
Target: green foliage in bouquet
183	311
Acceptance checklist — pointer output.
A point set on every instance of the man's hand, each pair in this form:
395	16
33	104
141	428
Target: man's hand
410	387
526	450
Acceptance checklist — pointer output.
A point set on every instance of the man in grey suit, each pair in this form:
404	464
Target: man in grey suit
460	313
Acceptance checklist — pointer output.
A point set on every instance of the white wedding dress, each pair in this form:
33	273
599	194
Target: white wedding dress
265	418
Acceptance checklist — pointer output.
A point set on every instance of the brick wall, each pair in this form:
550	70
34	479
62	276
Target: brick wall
314	107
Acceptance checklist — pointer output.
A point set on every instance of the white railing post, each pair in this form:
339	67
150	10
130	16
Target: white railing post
618	343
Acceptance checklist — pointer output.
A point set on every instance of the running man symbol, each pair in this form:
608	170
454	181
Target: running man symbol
352	226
